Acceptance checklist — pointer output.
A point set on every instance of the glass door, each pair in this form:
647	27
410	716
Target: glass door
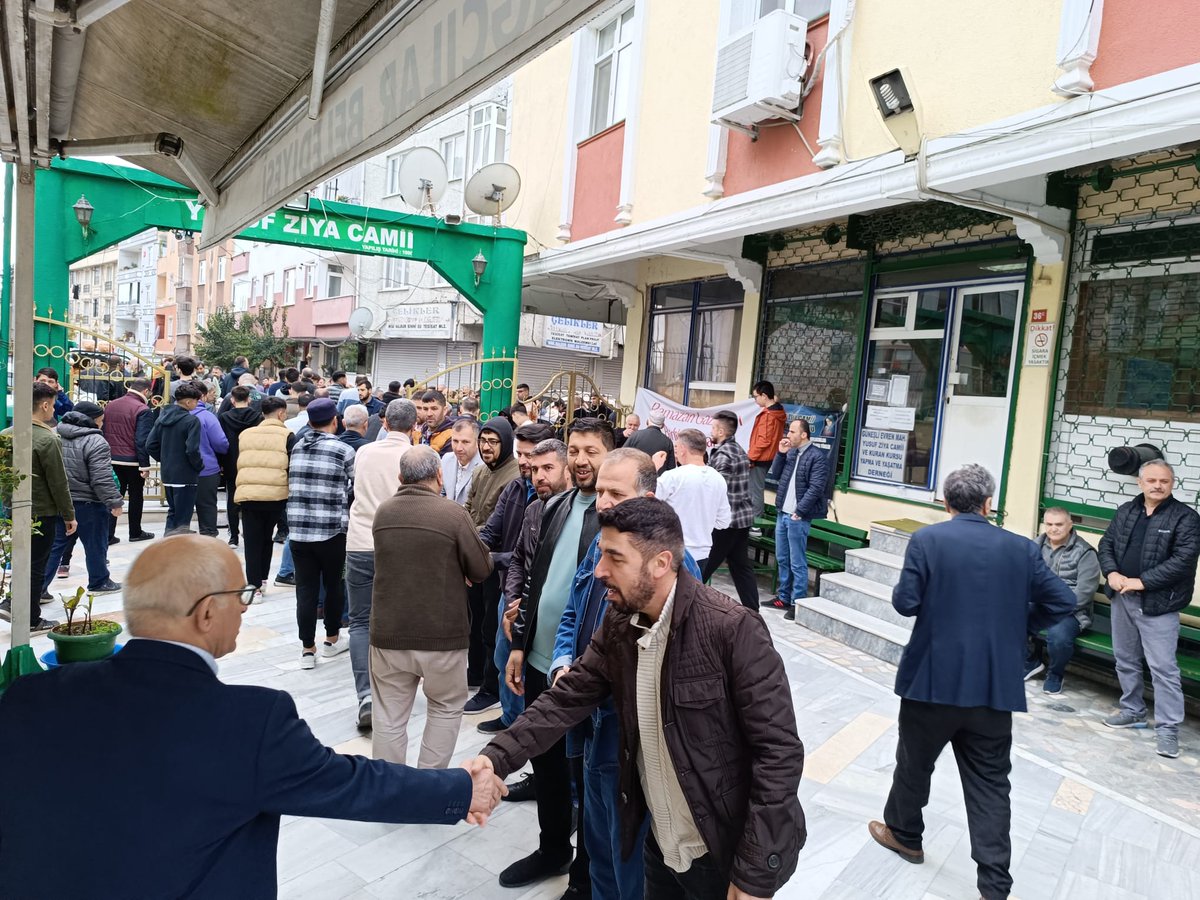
902	387
981	373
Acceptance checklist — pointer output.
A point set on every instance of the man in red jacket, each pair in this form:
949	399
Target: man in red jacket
769	426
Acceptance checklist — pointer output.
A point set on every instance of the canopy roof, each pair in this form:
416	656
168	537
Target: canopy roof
219	94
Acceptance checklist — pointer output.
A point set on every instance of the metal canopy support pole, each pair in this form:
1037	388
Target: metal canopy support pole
22	339
6	288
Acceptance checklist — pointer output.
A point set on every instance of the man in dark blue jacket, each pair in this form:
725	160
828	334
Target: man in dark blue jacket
800	498
175	442
976	591
214	765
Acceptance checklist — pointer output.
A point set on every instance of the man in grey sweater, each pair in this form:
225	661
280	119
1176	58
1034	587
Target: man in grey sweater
420	631
1073	560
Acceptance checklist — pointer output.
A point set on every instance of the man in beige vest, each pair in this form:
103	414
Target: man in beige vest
262	485
376	474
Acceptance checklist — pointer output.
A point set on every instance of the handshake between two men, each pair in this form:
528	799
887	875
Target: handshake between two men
486	790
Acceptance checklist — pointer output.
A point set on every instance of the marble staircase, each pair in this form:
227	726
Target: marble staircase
855	606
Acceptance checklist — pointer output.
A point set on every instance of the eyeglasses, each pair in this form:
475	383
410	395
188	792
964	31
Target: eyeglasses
489	442
245	597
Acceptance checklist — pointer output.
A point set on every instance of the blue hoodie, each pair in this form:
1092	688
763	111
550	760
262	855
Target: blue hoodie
212	439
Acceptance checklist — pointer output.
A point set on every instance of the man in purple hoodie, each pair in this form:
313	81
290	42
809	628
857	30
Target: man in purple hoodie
213	442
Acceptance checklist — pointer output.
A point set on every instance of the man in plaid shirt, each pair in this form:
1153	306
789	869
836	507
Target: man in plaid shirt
320	476
730	544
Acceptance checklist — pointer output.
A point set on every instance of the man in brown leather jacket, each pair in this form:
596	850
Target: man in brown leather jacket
708	735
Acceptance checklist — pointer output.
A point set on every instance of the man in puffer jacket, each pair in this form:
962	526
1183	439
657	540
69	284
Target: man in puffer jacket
94	493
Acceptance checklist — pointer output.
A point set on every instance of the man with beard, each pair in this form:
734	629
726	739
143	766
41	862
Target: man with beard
625	474
708	743
568	526
500	534
488	481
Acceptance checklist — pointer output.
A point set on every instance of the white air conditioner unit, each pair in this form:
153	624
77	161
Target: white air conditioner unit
760	71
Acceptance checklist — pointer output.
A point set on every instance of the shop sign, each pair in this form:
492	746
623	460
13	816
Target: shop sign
419	320
579	335
1039	344
882	454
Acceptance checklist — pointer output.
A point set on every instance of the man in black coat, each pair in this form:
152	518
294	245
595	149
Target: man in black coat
242	414
1148	559
651	440
976	591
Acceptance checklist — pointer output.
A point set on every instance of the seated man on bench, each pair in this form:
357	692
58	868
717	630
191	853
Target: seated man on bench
1073	560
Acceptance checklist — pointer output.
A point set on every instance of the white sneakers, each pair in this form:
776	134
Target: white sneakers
308	658
341	645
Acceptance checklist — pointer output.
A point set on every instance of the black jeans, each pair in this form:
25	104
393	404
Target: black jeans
259	519
982	742
132	485
40	545
317	563
232	512
482	605
704	880
729	545
552	790
206	504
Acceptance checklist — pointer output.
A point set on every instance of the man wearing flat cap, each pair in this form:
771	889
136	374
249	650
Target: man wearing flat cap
320	475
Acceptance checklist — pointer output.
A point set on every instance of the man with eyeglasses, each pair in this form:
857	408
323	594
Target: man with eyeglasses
219	763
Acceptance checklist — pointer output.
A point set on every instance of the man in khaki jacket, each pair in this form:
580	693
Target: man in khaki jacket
420	630
262	485
376	474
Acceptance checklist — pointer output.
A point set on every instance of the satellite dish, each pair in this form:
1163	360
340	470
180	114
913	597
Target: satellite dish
422	178
492	190
360	321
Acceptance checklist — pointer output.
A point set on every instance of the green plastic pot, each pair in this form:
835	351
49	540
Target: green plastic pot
71	648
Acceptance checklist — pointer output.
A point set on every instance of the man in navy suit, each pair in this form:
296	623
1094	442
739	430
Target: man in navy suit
976	591
178	779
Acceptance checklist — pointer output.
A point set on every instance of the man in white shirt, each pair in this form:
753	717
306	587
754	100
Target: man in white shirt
697	493
376	478
460	463
299	422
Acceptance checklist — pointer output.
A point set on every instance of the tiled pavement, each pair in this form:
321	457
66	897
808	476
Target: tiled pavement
1096	814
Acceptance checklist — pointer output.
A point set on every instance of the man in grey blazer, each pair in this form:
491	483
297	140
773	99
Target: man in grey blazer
460	463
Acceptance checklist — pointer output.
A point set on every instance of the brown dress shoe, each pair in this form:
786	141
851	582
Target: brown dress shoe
884	838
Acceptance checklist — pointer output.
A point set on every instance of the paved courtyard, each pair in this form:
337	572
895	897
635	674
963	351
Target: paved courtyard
1096	814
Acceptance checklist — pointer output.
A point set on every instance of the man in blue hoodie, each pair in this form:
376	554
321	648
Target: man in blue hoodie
175	443
213	443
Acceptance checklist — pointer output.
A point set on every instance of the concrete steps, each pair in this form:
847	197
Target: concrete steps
880	639
855	606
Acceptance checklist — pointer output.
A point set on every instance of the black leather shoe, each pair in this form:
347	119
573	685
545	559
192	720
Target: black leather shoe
141	536
520	791
576	893
491	726
533	868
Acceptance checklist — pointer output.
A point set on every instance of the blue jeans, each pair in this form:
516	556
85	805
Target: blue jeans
511	705
1060	645
791	544
286	566
181	503
613	878
93	534
360	581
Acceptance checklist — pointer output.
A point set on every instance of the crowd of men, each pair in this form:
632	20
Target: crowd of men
557	566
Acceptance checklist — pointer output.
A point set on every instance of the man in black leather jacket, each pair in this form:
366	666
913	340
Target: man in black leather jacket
1148	559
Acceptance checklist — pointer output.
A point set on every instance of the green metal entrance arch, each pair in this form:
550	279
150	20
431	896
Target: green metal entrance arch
128	201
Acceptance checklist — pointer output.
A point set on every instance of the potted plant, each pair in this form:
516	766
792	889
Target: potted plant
84	641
